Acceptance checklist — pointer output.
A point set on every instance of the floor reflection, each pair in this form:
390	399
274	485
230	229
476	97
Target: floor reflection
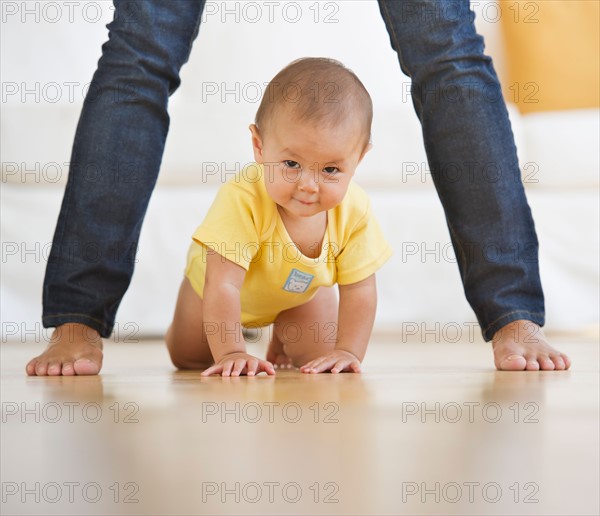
411	435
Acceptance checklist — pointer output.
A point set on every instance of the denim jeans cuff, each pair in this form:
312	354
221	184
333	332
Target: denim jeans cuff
52	321
490	330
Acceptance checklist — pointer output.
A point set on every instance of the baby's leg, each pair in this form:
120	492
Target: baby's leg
186	338
309	331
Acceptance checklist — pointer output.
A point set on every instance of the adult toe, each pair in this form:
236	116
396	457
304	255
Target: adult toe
512	362
54	368
532	363
85	366
30	367
546	364
558	361
41	368
68	369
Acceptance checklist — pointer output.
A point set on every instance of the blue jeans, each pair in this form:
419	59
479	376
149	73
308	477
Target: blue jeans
123	126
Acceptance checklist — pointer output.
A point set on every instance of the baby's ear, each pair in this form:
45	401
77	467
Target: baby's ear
257	144
365	150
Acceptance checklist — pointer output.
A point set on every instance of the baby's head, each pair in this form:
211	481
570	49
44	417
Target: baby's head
312	129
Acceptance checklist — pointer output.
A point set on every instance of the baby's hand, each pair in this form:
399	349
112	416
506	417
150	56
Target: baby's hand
336	361
235	364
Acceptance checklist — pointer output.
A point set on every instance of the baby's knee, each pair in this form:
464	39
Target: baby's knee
185	356
184	364
175	357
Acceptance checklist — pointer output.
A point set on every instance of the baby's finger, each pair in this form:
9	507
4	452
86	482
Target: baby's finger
238	367
214	369
312	363
346	365
252	366
343	364
355	366
339	366
227	367
267	367
320	365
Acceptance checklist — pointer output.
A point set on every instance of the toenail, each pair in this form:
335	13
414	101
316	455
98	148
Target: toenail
513	357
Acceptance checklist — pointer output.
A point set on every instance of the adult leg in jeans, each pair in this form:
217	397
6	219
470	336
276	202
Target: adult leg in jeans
473	161
115	161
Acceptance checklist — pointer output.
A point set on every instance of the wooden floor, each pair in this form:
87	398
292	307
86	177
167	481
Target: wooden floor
426	429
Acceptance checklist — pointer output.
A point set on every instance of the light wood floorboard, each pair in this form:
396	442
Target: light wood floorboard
426	429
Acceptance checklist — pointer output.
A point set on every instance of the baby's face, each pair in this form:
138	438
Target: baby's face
307	169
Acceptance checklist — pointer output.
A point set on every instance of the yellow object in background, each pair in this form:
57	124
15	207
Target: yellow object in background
552	53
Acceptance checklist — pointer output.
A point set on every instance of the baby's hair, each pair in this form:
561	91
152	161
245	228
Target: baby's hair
317	90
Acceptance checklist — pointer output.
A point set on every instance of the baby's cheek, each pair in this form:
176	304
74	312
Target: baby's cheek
278	192
335	194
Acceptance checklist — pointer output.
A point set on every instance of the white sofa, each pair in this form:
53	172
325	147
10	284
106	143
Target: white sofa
419	288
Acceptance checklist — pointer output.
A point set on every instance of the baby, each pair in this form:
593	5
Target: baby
285	230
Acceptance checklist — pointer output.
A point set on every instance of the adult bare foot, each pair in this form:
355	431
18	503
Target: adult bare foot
74	349
522	346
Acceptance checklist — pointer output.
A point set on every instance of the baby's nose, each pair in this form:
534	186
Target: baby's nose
308	183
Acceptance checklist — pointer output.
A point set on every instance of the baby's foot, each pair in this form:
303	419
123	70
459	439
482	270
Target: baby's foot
521	346
277	356
74	349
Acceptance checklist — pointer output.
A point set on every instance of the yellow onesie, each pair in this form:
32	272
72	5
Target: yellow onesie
244	225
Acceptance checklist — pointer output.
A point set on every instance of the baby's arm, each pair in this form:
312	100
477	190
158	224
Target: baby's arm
358	304
221	313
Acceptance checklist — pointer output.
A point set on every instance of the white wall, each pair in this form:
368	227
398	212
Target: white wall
55	63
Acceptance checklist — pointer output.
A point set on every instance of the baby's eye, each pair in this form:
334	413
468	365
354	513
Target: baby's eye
291	164
331	170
